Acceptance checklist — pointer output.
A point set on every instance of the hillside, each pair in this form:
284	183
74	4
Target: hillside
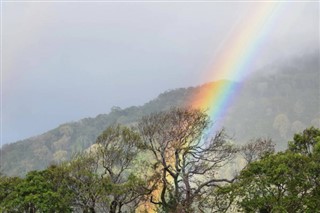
274	105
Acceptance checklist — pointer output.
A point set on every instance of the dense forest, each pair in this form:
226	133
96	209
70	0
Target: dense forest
160	106
166	163
264	156
277	104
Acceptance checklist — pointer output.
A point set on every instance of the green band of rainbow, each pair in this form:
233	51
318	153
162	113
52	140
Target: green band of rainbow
236	59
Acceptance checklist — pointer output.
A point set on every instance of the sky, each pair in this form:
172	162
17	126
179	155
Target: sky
64	61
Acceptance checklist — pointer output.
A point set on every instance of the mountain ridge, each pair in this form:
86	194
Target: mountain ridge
274	105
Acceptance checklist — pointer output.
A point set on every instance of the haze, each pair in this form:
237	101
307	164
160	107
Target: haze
66	61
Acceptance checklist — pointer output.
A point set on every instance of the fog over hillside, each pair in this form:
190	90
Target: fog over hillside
159	106
275	104
63	61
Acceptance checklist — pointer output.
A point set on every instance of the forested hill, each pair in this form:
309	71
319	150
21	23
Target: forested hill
282	101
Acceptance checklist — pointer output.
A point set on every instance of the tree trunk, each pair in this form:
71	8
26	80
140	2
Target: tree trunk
120	206
92	210
113	206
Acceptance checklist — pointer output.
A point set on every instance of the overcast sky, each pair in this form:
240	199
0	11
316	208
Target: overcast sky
66	61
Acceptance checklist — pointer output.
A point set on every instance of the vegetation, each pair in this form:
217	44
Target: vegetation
164	157
39	191
185	162
167	163
269	105
281	182
117	153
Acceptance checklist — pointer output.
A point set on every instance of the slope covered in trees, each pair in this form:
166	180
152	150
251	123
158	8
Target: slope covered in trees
277	104
287	181
166	164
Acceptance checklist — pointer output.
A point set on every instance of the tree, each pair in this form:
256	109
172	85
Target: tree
84	182
256	149
38	192
305	143
282	182
186	163
7	191
117	151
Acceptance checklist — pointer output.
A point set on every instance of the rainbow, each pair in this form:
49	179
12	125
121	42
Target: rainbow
234	61
239	50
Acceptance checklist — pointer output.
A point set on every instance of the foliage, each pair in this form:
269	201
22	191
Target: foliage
282	182
7	190
84	183
39	191
117	151
182	173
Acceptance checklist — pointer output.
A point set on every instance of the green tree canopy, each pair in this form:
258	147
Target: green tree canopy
40	191
283	182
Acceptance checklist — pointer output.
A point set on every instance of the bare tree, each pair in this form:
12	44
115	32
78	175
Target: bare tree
185	161
256	149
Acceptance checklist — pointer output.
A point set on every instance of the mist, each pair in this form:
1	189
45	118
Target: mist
66	61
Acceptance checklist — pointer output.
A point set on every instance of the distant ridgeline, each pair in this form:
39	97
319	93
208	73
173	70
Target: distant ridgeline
275	104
